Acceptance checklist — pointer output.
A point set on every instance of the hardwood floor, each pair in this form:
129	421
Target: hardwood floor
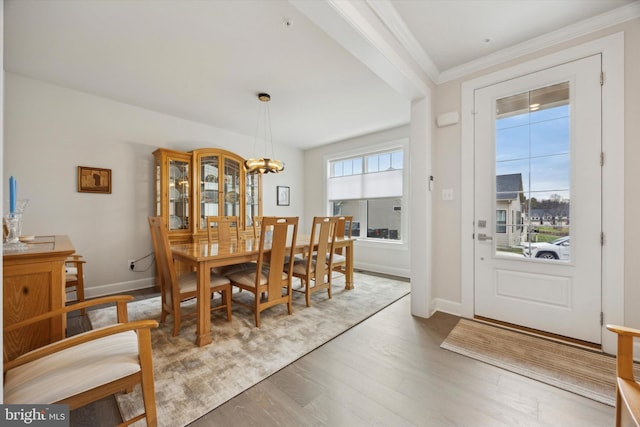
390	371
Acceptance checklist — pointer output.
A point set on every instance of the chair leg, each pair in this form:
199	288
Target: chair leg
619	404
176	323
147	382
307	292
256	310
80	296
227	298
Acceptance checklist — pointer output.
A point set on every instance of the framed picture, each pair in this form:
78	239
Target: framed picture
94	180
283	196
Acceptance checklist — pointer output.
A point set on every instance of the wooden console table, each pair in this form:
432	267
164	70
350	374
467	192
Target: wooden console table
33	283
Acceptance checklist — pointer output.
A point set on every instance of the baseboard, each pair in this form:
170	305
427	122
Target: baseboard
446	306
119	288
383	269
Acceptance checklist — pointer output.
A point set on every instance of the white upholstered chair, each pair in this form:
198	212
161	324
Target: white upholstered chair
83	368
627	388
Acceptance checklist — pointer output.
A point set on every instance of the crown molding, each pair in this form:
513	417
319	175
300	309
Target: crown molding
396	25
605	20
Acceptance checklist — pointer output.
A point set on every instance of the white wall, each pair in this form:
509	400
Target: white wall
386	257
50	130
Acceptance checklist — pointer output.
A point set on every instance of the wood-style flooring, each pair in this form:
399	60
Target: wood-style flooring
389	371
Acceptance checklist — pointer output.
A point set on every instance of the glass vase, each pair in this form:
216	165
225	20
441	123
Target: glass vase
13	225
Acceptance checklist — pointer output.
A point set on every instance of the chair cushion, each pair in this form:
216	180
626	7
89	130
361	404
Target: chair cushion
338	259
248	277
74	370
188	282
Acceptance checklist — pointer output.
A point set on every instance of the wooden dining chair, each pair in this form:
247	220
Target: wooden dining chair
224	230
270	282
175	288
84	368
315	276
344	224
627	388
74	277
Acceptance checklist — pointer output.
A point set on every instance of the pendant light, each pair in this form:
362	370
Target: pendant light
264	164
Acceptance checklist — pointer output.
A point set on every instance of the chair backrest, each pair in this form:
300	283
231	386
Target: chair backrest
223	225
164	260
344	225
280	245
257	226
323	233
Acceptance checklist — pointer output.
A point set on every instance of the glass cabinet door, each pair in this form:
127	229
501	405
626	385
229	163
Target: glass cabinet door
231	187
178	195
209	188
252	198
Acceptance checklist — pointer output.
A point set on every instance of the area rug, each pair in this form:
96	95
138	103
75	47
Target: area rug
585	372
191	381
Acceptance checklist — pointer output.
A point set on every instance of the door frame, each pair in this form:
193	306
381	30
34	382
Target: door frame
612	50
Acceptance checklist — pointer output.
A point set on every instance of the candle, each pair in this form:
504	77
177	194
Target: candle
12	194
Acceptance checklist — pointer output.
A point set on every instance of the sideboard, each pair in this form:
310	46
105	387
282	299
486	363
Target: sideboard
33	283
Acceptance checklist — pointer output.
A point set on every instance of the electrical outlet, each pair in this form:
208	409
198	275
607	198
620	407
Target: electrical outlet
132	264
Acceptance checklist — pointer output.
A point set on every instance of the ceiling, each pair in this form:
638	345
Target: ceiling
334	69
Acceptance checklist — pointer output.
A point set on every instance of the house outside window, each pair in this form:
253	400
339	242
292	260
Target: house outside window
501	221
369	187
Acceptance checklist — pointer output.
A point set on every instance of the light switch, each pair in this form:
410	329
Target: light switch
447	194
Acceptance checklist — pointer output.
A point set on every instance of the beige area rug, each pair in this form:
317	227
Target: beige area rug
191	381
585	372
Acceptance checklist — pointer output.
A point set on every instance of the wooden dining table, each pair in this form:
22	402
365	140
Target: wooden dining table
202	257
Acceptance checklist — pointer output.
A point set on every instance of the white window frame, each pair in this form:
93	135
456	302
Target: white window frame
402	144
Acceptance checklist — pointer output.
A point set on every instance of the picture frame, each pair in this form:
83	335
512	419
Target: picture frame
94	180
283	195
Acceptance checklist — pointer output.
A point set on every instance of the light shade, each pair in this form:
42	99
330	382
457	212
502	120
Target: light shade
263	166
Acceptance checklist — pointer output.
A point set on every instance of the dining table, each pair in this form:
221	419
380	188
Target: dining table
202	256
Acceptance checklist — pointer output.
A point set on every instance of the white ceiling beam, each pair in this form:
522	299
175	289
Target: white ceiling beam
357	28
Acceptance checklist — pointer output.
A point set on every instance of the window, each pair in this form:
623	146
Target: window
501	221
369	188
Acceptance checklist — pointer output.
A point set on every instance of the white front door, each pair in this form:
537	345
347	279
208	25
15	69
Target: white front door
537	250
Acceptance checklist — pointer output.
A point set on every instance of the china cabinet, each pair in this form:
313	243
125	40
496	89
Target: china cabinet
204	182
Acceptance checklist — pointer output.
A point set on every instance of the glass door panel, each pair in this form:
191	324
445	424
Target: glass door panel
209	188
251	198
533	173
178	195
231	187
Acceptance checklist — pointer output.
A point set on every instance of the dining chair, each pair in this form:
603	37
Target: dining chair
174	288
270	282
315	276
225	227
227	232
84	368
627	388
74	277
344	224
